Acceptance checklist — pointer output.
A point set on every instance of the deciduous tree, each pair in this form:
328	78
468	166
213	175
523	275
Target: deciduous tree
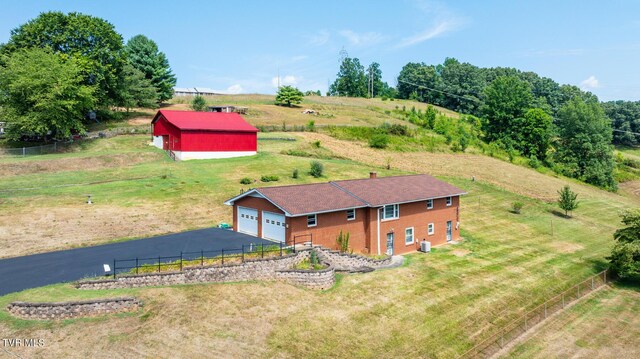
625	255
43	93
568	200
289	95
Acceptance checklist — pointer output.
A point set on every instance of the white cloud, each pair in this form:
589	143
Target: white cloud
362	39
439	29
288	80
590	83
233	89
299	58
320	38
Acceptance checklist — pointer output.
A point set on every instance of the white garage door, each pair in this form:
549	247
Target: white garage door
248	221
273	226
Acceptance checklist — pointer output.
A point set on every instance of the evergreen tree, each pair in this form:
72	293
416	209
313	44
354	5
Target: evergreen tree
198	103
144	55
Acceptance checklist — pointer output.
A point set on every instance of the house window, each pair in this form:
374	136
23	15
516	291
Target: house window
430	229
408	235
448	201
391	211
312	220
429	203
351	214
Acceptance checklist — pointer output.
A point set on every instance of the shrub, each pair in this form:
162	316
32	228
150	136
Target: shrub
198	103
269	178
313	257
316	144
317	169
343	241
534	162
516	207
246	180
567	200
295	173
379	141
311	126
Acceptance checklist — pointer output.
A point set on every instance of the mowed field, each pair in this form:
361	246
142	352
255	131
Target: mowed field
436	305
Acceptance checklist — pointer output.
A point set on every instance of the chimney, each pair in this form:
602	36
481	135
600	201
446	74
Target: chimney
373	175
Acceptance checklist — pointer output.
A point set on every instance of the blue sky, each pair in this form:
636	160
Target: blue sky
241	46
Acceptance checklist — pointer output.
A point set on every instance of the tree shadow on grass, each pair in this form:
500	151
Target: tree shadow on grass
557	213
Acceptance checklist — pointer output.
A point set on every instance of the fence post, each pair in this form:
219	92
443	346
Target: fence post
280	249
136	265
502	339
545	309
114	268
578	290
525	322
592	284
55	146
158	264
262	246
24	152
242	261
605	276
180	261
202	258
222	256
562	300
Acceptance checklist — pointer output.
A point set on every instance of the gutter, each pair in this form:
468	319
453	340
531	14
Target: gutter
378	220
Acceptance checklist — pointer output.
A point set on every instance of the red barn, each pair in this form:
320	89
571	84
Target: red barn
190	135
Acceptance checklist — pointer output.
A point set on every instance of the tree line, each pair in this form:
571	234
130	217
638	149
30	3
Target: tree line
58	69
560	126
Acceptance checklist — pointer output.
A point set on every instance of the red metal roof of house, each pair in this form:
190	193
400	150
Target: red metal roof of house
299	200
205	121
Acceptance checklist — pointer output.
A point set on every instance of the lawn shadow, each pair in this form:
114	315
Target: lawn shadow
557	213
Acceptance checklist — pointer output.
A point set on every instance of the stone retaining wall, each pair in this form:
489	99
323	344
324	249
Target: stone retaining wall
350	262
256	269
314	279
75	309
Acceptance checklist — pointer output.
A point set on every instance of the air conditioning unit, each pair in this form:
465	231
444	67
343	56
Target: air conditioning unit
425	246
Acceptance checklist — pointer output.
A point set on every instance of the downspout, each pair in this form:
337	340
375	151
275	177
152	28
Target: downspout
378	215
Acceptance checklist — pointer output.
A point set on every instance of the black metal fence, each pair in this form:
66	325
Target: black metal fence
200	258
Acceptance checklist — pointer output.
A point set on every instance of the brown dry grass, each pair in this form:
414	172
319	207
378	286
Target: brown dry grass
605	325
521	180
630	188
71	164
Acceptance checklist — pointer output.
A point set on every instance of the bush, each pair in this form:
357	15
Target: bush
198	103
269	178
246	180
311	126
379	141
343	241
316	144
516	207
295	173
317	169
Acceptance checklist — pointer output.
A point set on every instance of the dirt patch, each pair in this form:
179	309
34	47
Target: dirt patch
74	164
565	247
140	121
460	252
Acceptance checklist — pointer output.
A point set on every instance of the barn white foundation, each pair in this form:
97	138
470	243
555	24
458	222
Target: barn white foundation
203	155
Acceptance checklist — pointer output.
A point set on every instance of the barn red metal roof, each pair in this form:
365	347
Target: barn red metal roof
299	200
205	121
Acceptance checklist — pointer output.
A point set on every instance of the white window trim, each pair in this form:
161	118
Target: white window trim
449	201
315	216
413	236
431	231
390	218
429	206
354	214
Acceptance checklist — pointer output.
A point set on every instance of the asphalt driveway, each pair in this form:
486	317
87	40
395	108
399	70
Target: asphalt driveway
37	270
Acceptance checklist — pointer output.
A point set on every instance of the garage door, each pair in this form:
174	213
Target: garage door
273	226
248	221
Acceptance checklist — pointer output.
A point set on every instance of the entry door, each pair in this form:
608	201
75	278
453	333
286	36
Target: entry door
273	226
248	221
449	237
165	143
390	244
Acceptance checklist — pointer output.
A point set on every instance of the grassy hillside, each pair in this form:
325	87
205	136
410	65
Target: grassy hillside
606	325
437	305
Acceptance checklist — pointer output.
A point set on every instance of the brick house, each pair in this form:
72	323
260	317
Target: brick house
382	214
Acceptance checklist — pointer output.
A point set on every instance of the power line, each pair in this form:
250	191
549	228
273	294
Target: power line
444	92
